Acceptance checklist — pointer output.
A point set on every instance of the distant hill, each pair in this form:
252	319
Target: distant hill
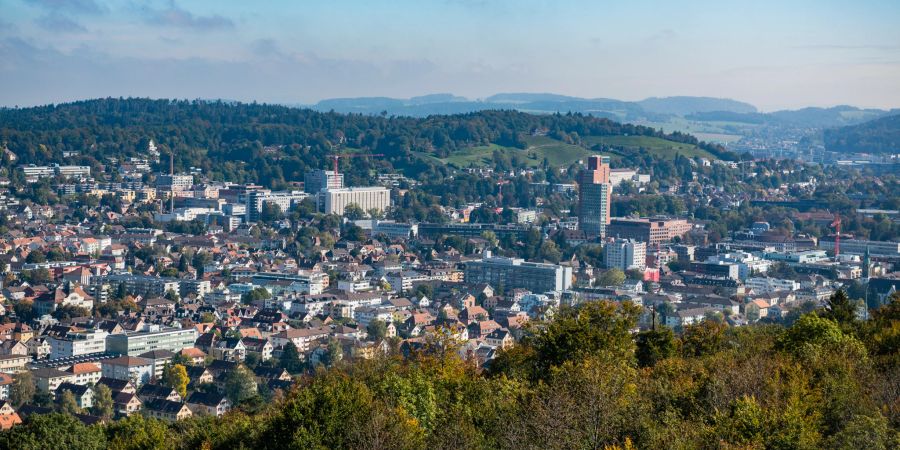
837	116
875	136
688	105
273	145
653	109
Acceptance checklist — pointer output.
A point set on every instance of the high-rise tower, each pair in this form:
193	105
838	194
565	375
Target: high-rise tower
594	196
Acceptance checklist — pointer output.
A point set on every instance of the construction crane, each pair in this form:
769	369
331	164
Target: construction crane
349	155
837	237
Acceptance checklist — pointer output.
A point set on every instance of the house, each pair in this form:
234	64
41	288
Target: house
166	410
158	359
265	374
8	416
13	363
300	337
499	338
118	385
208	403
68	294
261	348
13	347
84	395
38	347
198	375
131	368
6	382
85	373
229	349
195	355
127	403
152	391
48	379
480	329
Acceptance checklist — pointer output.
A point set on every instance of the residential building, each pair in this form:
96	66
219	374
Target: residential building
167	410
143	285
208	403
625	254
594	197
129	368
284	200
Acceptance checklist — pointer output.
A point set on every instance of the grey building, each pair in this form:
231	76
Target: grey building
512	273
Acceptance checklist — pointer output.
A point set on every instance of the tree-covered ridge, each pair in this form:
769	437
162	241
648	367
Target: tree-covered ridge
584	380
875	136
237	141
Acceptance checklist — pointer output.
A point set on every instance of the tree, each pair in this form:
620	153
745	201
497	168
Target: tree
176	377
53	431
840	308
612	277
654	345
270	212
22	389
103	405
592	328
377	330
354	212
704	338
290	358
240	385
36	257
256	295
68	404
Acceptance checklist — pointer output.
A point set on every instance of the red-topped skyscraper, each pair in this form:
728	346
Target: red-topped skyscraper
594	196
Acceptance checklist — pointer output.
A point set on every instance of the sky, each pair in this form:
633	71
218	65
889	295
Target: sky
775	54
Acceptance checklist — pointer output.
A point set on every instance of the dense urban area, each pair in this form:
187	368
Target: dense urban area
190	274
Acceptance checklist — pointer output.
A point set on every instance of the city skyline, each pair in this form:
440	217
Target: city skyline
768	54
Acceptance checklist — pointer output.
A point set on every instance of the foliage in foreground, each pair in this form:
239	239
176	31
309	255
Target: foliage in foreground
582	381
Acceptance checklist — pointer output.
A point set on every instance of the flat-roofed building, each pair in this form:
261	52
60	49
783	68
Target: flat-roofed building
136	343
512	273
335	201
653	231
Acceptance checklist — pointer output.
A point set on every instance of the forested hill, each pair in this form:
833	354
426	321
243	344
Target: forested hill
271	144
875	136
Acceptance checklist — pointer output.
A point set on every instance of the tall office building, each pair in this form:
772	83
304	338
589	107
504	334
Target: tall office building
319	180
594	197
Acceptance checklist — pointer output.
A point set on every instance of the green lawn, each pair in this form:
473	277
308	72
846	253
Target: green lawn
660	147
559	153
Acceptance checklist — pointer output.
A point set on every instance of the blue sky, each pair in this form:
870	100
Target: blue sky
774	54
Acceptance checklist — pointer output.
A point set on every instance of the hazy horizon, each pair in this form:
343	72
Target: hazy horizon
769	54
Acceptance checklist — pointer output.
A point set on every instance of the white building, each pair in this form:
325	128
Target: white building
765	285
77	343
626	254
395	230
334	201
284	200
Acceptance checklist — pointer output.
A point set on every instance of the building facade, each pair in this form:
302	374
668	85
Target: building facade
335	201
626	254
512	273
320	180
133	344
